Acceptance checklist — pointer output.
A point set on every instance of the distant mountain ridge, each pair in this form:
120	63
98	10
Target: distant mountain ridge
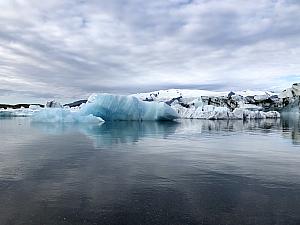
18	106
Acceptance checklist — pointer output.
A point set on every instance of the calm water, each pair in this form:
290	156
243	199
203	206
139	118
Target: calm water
191	172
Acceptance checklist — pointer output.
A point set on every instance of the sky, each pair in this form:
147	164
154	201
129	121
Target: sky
69	49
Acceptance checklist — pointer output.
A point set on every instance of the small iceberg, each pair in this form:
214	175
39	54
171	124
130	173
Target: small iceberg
21	112
63	115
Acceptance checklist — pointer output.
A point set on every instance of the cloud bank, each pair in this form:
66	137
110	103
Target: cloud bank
69	49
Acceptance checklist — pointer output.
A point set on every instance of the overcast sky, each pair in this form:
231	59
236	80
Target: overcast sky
71	48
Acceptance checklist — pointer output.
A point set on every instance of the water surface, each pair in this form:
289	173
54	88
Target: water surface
190	172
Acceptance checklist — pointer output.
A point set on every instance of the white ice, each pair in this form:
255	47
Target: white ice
196	109
222	113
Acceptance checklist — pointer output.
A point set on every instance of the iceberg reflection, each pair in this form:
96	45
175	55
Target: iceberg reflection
109	133
115	132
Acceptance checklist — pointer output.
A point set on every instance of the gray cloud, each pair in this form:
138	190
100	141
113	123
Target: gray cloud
68	49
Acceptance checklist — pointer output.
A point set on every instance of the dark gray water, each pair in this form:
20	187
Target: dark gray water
191	172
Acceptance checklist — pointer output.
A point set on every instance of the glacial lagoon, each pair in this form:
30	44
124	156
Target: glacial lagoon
184	172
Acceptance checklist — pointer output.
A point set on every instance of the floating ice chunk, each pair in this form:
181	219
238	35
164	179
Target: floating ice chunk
119	107
296	89
197	102
250	106
6	113
210	112
291	92
35	107
240	113
22	112
63	115
53	104
261	97
287	93
206	112
272	114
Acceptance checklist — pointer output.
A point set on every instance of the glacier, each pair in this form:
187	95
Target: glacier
169	104
202	104
211	112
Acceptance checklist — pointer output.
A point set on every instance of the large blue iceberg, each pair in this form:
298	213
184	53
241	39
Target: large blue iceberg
119	107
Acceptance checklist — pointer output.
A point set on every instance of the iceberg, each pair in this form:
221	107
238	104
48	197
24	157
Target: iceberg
294	91
7	113
22	112
120	107
63	115
244	105
100	107
210	112
53	104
